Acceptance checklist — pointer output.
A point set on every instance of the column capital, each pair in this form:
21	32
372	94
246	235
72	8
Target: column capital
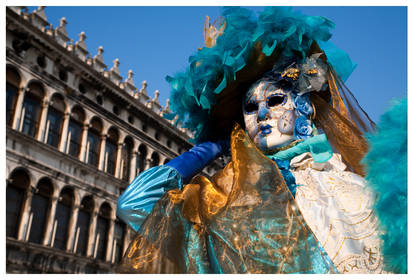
44	103
33	189
76	206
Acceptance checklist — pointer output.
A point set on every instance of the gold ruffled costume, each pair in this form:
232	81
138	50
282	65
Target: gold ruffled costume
242	220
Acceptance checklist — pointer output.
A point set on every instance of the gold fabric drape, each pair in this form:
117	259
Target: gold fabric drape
243	220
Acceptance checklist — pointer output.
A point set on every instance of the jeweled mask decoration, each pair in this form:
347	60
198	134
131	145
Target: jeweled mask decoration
277	108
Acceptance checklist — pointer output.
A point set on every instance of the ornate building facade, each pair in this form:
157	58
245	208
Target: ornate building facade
77	134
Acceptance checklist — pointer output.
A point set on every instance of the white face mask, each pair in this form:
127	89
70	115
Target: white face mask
269	115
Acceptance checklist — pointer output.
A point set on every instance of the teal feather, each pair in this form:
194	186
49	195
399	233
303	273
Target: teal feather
386	166
195	91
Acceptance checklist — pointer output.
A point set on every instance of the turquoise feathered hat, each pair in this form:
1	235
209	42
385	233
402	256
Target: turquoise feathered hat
206	98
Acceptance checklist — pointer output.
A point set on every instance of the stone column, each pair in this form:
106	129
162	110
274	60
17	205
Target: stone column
18	109
64	136
161	160
24	219
71	234
42	122
118	160
132	167
101	160
50	221
92	232
110	239
148	161
83	143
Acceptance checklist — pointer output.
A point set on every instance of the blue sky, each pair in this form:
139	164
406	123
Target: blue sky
157	41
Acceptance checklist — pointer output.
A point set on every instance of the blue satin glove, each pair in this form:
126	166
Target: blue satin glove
193	161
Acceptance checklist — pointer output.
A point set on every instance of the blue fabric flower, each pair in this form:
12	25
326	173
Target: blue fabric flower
302	128
284	166
303	105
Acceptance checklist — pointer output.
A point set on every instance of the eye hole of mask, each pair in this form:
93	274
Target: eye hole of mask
275	100
250	107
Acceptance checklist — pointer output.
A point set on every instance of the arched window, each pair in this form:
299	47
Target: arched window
166	161
126	158
41	201
102	229
15	194
74	136
93	142
141	158
62	218
12	89
31	109
54	121
154	159
82	227
110	151
119	237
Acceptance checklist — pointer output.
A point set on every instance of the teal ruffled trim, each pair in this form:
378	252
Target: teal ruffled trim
194	91
386	166
317	145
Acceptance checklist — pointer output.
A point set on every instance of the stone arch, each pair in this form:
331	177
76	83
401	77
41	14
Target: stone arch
141	157
75	129
40	209
85	214
126	157
17	186
13	75
55	118
89	200
78	113
76	194
22	169
96	123
113	134
13	85
64	210
59	101
111	154
102	229
106	209
34	97
54	188
129	139
37	87
94	141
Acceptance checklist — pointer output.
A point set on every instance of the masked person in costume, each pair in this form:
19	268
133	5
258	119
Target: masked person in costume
293	198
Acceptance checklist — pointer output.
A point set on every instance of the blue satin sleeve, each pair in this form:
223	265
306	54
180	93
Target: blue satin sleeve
137	201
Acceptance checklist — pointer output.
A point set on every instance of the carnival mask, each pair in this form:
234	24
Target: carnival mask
269	115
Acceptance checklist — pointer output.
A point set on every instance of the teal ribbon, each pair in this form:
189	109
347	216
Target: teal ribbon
317	145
